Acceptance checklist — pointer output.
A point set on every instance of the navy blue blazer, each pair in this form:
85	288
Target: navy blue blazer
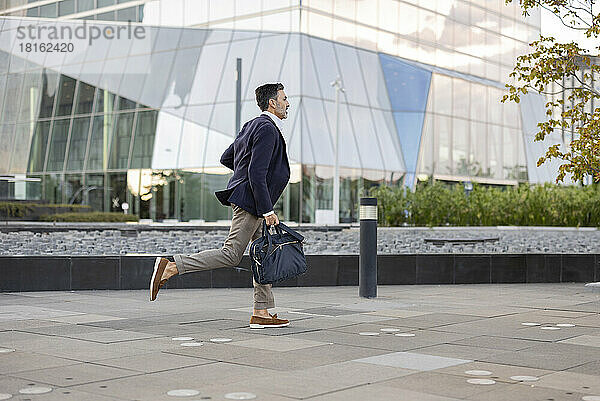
260	167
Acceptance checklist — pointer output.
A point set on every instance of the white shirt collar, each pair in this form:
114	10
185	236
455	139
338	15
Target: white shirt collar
275	119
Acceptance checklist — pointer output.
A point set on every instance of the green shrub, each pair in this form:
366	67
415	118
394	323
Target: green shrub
112	217
438	204
24	209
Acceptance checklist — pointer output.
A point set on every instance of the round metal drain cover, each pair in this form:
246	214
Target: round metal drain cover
525	378
478	372
550	328
530	324
6	350
5	396
390	330
368	333
182	338
35	390
404	335
591	398
565	325
481	381
192	344
240	396
183	393
220	340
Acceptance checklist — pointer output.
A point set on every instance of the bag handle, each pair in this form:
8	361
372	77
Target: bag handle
288	230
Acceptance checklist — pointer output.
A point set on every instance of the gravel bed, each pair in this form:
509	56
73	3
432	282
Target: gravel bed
390	241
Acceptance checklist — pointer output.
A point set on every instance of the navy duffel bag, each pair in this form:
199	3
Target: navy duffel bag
277	257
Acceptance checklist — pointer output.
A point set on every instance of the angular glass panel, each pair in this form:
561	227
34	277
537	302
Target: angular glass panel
99	142
77	147
494	105
105	3
73	189
52	184
443	136
410	127
510	153
322	136
426	153
239	49
143	145
66	7
30	98
323	72
94	193
320	25
121	140
105	101
84	5
156	81
351	75
37	155
442	94
460	147
127	14
66	95
408	86
349	154
109	16
479	107
7	135
269	48
49	11
58	145
12	97
85	98
461	98
33	12
20	152
166	141
495	142
4	57
179	89
125	104
478	149
367	139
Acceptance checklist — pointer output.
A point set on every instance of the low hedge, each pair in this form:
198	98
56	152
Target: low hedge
111	217
438	204
31	210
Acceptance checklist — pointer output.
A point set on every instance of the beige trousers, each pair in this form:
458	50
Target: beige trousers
245	227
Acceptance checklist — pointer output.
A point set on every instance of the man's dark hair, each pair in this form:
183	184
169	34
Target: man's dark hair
266	92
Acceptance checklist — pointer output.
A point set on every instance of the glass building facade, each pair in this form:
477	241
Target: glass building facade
145	122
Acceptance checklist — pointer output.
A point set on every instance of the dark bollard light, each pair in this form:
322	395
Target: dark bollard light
367	271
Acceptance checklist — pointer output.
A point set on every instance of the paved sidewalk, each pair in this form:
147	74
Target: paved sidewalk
473	342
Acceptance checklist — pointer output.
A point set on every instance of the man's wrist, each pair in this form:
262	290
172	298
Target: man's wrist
269	213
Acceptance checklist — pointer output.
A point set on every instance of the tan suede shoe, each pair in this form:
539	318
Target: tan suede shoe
257	322
155	283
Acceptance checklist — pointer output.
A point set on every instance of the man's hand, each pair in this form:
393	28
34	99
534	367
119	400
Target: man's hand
272	220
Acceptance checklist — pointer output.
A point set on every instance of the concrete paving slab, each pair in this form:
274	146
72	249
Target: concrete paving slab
20	361
459	351
572	381
413	361
380	392
589	341
590	368
281	344
153	362
526	392
501	373
445	385
72	375
499	343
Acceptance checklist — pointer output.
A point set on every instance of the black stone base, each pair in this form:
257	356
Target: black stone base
58	273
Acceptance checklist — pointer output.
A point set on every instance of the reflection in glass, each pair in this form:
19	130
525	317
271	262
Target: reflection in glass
121	140
443	132
66	7
117	191
105	101
79	137
49	85
144	139
85	98
460	147
125	104
37	154
478	149
13	91
65	97
101	132
30	98
20	152
6	142
73	189
495	151
58	144
93	194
